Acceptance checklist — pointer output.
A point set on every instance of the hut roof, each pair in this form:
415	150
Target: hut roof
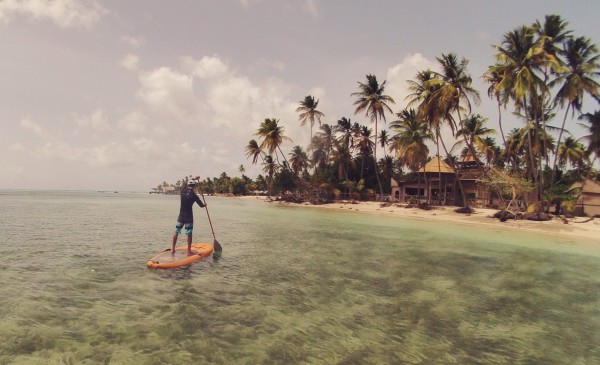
437	165
589	186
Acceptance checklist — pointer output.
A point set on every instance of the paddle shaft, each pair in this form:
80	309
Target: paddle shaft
217	244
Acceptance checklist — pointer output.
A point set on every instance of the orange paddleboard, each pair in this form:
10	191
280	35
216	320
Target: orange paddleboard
166	259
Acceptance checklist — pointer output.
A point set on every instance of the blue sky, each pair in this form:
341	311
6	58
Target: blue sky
121	95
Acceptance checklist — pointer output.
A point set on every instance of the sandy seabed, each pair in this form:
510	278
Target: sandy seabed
579	227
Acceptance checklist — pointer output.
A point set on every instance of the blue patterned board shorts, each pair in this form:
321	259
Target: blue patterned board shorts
188	228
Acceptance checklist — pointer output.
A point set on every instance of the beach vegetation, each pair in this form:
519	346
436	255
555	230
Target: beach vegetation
542	76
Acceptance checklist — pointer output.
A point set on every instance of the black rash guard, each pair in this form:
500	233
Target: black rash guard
188	198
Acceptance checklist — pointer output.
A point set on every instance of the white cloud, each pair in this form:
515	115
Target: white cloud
97	120
58	151
169	93
207	68
145	145
17	147
398	75
135	42
110	155
63	13
130	62
134	122
29	124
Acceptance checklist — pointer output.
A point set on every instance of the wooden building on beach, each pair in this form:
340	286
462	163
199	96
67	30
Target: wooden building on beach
588	202
435	183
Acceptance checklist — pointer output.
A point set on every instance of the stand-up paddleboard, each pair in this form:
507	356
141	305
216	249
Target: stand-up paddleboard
167	259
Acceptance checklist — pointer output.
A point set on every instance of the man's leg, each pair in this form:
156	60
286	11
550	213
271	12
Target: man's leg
178	228
174	242
188	231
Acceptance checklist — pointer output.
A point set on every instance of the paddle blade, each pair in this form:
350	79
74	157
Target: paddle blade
217	246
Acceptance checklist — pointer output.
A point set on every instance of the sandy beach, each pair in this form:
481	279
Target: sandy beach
588	232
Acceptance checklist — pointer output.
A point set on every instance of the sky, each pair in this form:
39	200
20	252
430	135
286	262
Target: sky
123	95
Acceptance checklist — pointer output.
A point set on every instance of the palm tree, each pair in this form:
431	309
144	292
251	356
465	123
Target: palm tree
582	66
242	169
342	159
326	139
299	160
365	146
269	168
373	101
490	151
384	139
254	150
308	112
409	141
502	97
387	168
475	131
422	89
344	126
519	58
452	96
455	89
273	137
593	128
571	151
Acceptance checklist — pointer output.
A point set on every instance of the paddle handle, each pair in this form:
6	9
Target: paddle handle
205	206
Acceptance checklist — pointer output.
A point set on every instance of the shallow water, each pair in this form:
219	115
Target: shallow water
294	286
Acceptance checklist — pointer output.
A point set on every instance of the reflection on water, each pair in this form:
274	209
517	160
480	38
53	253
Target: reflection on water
294	285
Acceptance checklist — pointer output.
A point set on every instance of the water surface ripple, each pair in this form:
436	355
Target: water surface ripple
294	286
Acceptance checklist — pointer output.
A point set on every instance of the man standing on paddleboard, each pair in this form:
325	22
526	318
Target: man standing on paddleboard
186	214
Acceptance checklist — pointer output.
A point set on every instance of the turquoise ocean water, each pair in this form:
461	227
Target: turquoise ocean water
294	286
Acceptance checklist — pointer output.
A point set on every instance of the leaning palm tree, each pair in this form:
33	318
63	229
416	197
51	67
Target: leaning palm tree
501	96
309	113
373	101
582	66
273	136
254	150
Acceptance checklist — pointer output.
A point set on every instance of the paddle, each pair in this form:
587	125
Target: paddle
217	245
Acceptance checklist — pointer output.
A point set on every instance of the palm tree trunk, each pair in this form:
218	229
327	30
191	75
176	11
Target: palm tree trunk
462	191
376	170
500	123
437	147
562	128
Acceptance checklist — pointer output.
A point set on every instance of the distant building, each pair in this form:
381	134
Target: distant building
588	202
436	184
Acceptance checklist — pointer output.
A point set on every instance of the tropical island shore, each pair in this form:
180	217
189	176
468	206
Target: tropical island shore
581	228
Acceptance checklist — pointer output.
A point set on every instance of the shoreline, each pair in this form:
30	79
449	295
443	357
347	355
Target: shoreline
587	233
